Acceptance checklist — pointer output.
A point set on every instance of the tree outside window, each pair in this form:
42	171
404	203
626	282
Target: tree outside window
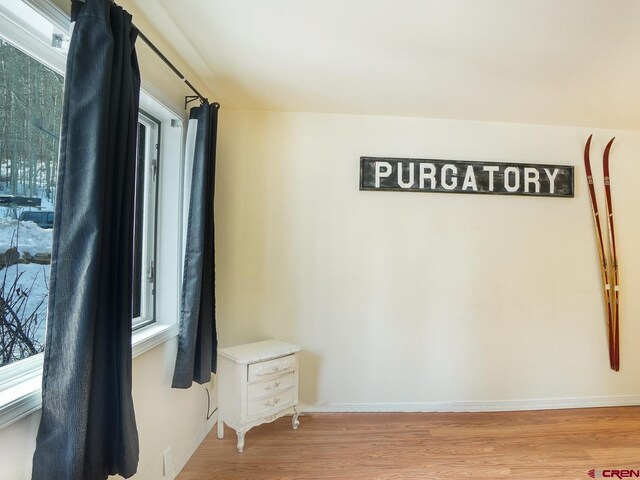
30	115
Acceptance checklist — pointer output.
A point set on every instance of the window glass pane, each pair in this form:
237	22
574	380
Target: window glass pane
138	232
30	115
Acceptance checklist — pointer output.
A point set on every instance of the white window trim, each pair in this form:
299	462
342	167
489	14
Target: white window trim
150	218
21	383
23	396
20	371
52	12
14	30
20	400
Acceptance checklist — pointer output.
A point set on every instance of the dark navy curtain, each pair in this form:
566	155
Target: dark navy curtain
88	429
198	342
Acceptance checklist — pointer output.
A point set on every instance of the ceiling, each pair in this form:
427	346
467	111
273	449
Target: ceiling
563	62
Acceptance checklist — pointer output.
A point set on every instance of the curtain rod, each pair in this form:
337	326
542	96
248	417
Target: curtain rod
189	98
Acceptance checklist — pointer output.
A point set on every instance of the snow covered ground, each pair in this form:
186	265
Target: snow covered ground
26	236
34	278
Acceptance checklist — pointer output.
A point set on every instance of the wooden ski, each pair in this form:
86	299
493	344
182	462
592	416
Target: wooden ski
606	286
613	259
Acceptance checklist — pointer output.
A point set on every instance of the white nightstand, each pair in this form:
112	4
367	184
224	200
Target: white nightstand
257	383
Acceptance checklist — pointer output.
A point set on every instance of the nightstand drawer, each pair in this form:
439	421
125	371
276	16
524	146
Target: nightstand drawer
263	370
269	387
263	405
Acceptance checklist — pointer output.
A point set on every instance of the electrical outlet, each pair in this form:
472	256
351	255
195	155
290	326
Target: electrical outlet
168	461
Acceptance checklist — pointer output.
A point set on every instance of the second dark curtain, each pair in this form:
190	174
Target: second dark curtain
197	343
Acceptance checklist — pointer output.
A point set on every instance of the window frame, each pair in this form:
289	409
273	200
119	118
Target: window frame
23	37
21	382
152	149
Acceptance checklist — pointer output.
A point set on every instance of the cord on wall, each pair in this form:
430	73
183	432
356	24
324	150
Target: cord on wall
209	415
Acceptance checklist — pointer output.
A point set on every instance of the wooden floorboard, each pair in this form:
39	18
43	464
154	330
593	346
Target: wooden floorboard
551	444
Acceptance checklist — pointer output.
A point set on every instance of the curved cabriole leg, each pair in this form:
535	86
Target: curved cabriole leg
240	440
294	420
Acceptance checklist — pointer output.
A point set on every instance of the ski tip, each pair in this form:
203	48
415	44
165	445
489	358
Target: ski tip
587	146
608	147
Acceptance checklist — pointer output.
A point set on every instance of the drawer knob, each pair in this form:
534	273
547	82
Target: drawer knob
272	403
273	369
272	387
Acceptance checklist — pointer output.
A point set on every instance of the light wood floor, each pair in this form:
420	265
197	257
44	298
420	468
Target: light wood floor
554	444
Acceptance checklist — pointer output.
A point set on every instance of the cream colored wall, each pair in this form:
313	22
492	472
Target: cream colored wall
166	418
17	443
404	300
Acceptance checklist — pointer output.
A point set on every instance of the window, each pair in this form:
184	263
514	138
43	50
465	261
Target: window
30	114
144	246
36	43
32	59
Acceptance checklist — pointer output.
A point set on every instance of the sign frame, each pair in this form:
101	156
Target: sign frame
566	172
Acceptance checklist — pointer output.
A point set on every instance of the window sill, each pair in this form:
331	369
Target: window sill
25	397
151	336
20	400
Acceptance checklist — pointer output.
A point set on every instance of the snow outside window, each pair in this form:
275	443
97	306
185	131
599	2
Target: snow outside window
32	57
30	114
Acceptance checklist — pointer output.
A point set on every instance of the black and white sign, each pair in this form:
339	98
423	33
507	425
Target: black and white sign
452	176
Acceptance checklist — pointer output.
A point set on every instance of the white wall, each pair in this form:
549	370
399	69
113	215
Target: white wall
405	300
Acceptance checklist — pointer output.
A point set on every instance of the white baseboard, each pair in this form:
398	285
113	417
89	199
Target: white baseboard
478	406
190	450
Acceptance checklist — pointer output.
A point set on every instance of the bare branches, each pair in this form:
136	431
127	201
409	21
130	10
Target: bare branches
19	325
21	322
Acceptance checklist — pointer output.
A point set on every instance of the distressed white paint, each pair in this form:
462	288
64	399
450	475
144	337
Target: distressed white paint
257	383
